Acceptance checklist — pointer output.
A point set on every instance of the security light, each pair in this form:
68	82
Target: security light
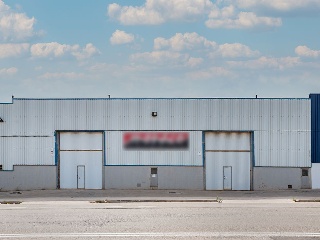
154	114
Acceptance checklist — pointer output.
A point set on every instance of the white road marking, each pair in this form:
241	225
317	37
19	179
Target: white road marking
167	234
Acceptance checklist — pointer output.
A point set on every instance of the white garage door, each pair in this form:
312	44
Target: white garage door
227	160
81	160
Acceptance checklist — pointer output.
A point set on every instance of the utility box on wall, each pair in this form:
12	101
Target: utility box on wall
154	178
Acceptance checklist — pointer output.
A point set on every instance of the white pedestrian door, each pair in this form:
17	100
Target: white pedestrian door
81	177
227	178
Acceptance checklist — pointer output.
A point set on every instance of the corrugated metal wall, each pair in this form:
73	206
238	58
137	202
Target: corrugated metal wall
26	151
274	121
43	117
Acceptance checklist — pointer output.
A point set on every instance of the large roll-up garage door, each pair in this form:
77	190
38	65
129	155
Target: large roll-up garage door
80	160
227	160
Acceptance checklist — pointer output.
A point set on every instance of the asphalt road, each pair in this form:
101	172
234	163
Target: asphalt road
256	218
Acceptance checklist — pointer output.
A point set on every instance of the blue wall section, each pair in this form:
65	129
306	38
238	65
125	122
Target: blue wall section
315	128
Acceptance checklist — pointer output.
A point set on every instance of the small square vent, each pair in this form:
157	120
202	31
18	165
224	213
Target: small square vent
305	173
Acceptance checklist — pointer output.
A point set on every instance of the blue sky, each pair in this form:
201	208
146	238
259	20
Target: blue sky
159	48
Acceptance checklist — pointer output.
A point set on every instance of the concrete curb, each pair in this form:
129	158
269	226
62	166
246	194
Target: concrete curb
306	200
156	200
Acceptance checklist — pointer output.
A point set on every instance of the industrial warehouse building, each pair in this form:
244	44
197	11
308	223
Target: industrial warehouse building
211	144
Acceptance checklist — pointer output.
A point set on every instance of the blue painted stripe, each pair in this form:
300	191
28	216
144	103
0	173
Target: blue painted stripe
203	148
315	128
104	149
56	150
133	165
72	131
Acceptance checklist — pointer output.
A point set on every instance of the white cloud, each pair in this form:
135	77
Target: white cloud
154	12
51	49
193	62
121	37
304	51
15	26
8	71
87	52
235	50
160	57
280	5
13	50
244	20
210	73
266	63
3	7
219	15
62	75
185	41
239	14
192	41
55	49
224	12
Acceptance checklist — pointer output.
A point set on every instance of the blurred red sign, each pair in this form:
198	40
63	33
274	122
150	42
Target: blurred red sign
156	140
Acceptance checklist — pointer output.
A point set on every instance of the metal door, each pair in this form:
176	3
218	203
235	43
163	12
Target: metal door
154	178
80	149
81	177
227	178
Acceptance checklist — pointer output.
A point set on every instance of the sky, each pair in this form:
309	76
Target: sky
159	48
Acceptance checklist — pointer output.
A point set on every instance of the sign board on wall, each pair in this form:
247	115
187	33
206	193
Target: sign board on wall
156	140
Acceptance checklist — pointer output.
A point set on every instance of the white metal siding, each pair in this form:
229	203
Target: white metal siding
26	151
45	116
117	155
282	148
274	121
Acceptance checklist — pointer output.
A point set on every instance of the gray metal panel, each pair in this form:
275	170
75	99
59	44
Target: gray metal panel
127	177
180	178
273	178
29	178
138	177
117	155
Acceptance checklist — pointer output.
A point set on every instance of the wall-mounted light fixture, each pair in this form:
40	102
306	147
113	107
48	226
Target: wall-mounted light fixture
154	114
1	120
